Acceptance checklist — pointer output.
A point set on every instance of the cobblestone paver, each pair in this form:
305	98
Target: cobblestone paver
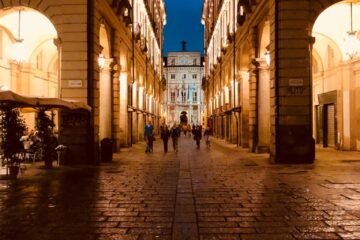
218	193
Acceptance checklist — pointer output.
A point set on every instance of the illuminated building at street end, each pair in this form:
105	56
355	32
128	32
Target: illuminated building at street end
183	73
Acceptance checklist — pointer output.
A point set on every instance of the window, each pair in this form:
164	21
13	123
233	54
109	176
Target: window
184	76
172	76
172	97
194	96
172	61
183	97
194	61
194	76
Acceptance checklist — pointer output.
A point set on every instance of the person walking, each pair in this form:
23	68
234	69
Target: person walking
175	134
197	135
149	137
184	128
207	134
165	134
189	130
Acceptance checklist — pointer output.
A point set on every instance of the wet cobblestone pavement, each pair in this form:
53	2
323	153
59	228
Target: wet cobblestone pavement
217	193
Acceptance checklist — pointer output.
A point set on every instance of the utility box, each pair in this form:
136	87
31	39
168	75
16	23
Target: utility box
106	149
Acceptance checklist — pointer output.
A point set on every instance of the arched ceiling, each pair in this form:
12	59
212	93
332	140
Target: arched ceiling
35	28
335	21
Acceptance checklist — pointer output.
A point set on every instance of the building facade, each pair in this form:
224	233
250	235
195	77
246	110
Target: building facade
183	72
106	53
282	75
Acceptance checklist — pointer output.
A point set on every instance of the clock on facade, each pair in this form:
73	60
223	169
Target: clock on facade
182	61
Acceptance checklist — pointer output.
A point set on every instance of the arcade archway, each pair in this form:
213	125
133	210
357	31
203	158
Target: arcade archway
335	76
105	85
29	60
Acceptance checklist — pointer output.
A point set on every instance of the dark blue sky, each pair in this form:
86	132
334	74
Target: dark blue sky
183	23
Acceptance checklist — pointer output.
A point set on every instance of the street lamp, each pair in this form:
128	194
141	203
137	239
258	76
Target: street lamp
4	88
267	56
351	40
101	61
18	48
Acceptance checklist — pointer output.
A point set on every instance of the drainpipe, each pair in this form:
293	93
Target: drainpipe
276	77
133	70
146	86
234	77
256	130
90	76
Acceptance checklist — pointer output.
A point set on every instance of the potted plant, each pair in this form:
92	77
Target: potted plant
12	127
48	141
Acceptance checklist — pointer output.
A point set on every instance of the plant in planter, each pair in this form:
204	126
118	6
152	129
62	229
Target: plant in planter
12	128
44	126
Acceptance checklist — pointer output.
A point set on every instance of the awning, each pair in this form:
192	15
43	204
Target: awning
14	100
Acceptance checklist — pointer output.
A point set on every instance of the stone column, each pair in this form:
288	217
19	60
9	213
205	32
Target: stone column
263	107
123	109
245	109
105	99
253	87
291	95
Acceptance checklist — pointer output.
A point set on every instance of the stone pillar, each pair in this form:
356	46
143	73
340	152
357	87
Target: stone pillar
105	101
253	87
116	105
291	95
263	107
244	115
123	109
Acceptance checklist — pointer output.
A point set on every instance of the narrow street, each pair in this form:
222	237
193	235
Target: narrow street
217	193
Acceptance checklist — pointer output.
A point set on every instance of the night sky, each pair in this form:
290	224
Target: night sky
183	23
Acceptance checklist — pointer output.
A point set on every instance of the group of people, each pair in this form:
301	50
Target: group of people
31	146
30	142
174	133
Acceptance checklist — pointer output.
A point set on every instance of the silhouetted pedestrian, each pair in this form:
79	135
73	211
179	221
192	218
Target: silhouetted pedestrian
175	134
197	135
165	134
149	137
207	135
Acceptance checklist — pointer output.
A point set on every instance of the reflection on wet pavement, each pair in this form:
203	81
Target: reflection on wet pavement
217	193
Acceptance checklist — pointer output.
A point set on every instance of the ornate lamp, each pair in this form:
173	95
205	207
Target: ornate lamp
101	61
351	40
18	48
267	55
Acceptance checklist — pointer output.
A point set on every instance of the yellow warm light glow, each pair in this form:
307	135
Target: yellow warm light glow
241	10
4	88
267	58
18	51
24	46
101	61
123	85
123	76
351	45
335	24
141	92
